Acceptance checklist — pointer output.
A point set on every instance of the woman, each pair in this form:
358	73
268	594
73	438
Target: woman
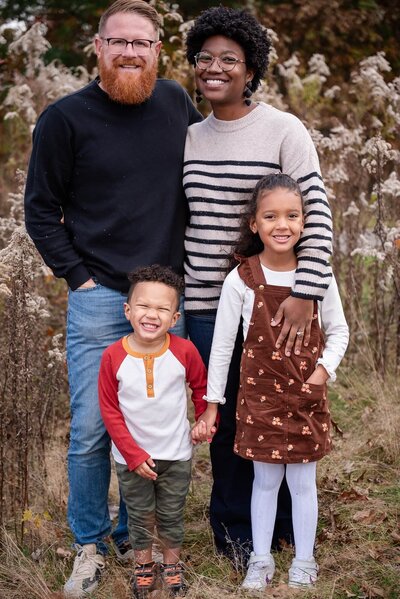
225	155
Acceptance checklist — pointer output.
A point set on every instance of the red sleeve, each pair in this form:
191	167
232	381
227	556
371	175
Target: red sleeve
196	373
110	411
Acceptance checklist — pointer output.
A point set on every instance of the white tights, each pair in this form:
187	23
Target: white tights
301	480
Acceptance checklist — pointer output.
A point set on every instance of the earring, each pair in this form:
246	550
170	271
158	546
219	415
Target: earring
199	97
247	93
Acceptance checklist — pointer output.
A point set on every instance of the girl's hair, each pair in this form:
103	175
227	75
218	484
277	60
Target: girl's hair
249	243
239	26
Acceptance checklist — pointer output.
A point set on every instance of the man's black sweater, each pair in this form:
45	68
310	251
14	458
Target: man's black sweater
104	189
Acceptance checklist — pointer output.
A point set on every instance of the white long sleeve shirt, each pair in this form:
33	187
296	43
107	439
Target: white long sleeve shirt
237	300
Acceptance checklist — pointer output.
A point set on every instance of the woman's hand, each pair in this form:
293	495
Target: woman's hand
298	316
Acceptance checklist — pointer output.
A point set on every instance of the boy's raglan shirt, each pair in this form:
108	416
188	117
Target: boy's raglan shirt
143	400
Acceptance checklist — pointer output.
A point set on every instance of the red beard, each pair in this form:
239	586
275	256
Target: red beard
127	88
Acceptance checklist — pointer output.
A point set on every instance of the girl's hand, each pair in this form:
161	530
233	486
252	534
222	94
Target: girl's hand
205	428
319	376
145	471
298	315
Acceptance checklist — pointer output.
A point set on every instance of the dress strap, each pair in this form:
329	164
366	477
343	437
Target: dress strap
250	271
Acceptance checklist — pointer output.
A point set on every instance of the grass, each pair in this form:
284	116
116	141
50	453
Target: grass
358	540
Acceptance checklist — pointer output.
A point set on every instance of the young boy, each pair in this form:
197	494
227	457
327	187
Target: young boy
143	402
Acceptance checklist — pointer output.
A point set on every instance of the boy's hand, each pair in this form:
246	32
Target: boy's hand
298	315
205	428
145	471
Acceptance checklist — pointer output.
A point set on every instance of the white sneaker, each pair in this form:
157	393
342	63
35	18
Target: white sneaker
260	571
303	573
86	572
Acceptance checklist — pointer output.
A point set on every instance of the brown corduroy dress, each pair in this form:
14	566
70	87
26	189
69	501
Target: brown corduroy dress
280	418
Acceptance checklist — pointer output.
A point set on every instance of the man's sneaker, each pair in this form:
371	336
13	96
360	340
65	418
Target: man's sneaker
303	573
260	571
173	579
124	551
144	579
86	572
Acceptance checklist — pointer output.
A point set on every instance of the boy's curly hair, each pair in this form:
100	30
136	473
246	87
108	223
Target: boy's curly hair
155	274
239	26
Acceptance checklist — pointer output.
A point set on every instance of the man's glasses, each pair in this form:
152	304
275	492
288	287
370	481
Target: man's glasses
118	45
204	61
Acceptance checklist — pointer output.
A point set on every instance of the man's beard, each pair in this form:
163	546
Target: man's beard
127	88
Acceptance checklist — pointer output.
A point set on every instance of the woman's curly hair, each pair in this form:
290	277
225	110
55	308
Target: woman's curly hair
239	26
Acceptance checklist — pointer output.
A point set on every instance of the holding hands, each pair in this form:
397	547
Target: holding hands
205	428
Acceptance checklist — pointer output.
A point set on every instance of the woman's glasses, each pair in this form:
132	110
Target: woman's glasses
204	61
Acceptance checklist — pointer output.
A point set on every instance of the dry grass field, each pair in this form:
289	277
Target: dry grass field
358	543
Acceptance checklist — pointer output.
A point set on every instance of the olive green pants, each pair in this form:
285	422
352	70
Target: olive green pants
156	503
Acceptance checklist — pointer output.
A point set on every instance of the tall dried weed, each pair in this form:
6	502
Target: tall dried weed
355	126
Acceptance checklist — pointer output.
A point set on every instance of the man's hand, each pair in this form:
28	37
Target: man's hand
145	471
89	283
298	315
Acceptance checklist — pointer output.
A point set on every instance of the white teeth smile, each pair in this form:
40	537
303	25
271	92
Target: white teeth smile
215	81
148	326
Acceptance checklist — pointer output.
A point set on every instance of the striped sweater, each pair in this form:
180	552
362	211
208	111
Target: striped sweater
223	161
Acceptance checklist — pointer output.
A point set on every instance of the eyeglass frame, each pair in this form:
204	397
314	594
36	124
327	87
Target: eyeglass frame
216	58
127	42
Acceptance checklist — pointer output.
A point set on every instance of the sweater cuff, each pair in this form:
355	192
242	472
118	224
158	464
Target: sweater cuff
332	373
306	296
222	400
77	276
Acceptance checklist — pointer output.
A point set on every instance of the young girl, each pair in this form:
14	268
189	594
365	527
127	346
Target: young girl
283	419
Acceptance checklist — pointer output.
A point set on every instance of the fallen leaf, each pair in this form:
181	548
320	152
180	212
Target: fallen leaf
377	592
63	553
36	555
369	516
395	536
352	495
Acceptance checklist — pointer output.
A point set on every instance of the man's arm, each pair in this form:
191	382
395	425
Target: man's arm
47	189
299	159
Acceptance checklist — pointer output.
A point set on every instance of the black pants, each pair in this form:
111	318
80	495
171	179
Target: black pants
233	475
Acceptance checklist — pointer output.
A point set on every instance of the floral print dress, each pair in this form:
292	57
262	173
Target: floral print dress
280	418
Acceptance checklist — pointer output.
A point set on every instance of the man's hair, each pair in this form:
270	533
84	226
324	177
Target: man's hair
239	26
156	274
139	7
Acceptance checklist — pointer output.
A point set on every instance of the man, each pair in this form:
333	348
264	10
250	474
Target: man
104	195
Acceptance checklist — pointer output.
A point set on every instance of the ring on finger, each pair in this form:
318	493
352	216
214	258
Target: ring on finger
300	333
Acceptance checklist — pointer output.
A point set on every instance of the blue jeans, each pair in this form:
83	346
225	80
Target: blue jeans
95	319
